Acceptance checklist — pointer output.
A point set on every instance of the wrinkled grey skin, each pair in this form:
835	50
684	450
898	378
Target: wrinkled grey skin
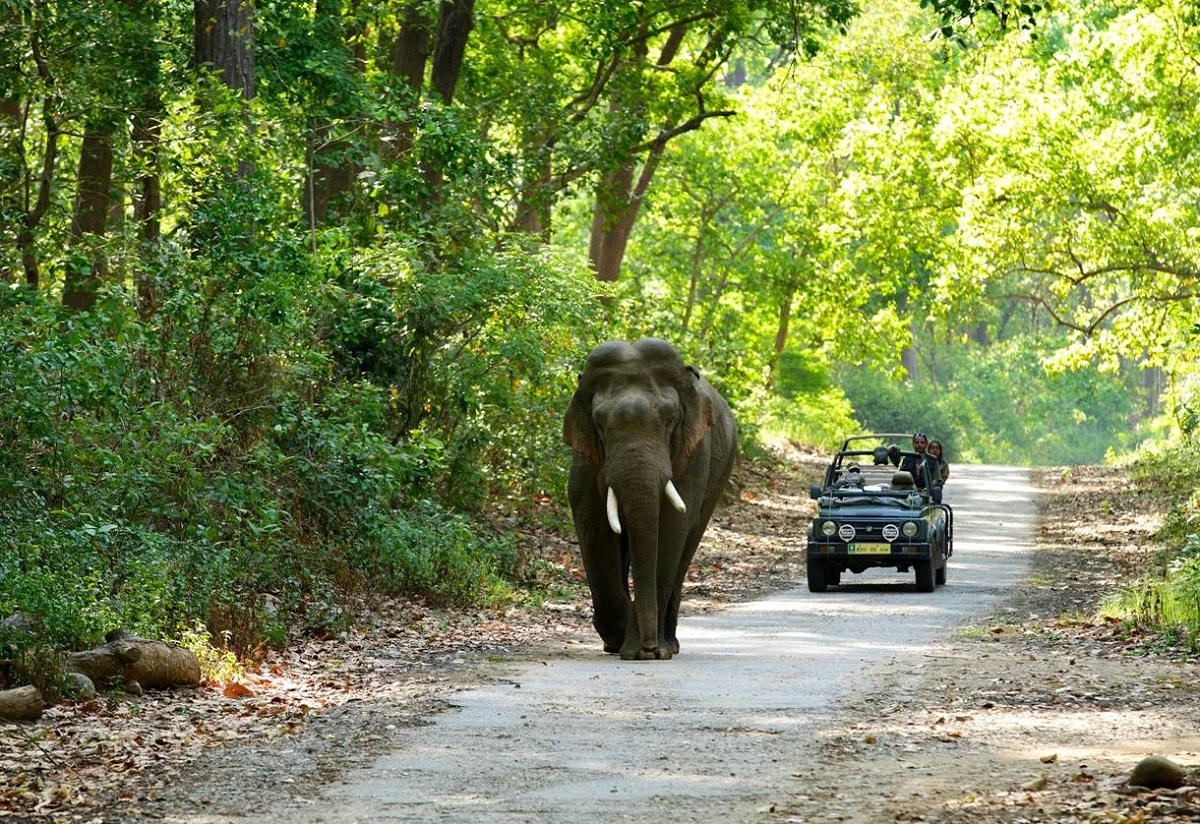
639	418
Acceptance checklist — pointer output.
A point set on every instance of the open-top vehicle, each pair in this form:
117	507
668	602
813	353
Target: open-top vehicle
879	506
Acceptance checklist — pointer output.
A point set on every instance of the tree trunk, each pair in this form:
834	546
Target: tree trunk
10	180
455	22
137	661
410	55
1152	382
33	215
456	19
21	704
617	205
783	328
534	208
223	40
331	178
147	196
88	267
908	359
618	199
330	174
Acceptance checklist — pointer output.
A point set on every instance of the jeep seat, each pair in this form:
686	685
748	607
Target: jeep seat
903	481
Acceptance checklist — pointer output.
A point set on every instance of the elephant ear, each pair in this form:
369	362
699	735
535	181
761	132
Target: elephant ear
578	431
696	400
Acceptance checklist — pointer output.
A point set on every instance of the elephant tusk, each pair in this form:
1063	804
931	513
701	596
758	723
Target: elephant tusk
613	520
673	494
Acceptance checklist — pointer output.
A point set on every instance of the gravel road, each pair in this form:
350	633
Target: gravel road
717	733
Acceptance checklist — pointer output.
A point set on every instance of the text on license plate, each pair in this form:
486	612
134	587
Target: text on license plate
868	549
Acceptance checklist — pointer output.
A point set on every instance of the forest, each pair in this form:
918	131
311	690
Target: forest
294	293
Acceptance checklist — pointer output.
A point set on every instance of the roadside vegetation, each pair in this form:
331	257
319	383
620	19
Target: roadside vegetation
1166	598
288	321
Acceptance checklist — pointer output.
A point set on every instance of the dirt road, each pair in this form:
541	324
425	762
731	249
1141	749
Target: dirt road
718	733
1003	698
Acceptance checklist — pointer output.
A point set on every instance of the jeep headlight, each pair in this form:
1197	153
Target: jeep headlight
828	529
910	529
891	532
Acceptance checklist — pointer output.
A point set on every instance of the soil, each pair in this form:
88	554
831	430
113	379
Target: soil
1038	713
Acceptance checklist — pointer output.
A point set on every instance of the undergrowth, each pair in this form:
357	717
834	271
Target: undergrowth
1166	599
250	472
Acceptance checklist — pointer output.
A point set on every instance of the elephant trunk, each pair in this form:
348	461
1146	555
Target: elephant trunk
612	509
643	510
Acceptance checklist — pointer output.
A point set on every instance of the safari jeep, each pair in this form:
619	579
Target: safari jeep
871	514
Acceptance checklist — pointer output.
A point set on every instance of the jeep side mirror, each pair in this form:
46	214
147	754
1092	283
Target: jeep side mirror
814	492
937	494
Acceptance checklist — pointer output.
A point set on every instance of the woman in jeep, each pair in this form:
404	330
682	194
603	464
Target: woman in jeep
939	470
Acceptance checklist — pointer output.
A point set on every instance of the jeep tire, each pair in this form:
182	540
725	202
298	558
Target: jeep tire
816	577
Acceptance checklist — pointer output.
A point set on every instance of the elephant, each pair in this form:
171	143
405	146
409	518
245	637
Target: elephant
654	446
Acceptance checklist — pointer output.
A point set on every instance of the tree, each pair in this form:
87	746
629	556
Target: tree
223	42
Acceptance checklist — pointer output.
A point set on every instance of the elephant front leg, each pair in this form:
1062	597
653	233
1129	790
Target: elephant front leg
612	611
608	582
644	636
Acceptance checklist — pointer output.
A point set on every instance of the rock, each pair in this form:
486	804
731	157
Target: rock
1156	772
16	626
78	687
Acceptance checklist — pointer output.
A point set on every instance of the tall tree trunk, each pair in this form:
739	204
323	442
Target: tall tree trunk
223	39
11	175
1152	382
782	330
978	332
908	359
147	195
330	174
616	210
456	19
534	208
33	214
618	198
410	56
330	177
92	200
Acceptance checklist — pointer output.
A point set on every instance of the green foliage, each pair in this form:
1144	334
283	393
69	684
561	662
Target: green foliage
476	357
217	663
353	319
1166	598
429	551
1000	405
135	501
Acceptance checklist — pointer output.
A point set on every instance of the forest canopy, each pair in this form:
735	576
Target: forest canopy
293	292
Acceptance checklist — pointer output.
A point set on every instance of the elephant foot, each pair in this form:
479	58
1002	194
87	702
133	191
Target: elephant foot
611	650
673	645
647	654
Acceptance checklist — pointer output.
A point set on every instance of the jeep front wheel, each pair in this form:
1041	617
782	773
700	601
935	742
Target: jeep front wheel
817	581
925	576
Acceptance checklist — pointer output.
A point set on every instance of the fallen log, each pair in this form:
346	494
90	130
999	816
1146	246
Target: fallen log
21	704
137	662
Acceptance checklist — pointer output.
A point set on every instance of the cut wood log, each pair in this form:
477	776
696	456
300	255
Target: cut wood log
21	704
137	662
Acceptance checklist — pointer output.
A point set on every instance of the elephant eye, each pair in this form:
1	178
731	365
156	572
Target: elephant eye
669	412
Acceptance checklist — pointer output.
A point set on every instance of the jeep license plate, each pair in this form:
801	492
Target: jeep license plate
868	549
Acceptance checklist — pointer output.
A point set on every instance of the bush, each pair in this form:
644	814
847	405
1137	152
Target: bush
242	478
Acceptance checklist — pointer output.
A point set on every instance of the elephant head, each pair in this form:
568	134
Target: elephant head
654	445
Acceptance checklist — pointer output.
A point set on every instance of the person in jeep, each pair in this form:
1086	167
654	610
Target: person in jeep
939	470
911	463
